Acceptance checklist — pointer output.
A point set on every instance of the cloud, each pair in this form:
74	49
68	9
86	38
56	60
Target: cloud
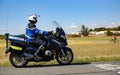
113	23
73	25
71	28
3	29
95	24
105	24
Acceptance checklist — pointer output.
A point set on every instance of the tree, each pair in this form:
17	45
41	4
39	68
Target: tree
109	33
118	27
105	29
90	30
100	29
84	30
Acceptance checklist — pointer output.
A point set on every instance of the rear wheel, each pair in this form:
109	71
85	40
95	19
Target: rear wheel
67	59
17	60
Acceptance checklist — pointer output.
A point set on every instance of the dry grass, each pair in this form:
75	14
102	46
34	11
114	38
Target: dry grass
3	57
97	47
96	50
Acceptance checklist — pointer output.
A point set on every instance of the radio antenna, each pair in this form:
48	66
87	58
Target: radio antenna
7	21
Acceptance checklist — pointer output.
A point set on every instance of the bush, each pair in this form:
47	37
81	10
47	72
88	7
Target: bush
109	33
117	34
73	35
2	37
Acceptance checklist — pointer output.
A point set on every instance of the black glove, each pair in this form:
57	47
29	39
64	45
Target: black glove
50	32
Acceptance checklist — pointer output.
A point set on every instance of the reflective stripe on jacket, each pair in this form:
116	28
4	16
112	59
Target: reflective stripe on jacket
32	32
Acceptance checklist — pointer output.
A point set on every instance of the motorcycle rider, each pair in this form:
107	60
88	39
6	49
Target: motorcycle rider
32	32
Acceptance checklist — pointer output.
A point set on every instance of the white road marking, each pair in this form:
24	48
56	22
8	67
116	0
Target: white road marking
109	67
119	72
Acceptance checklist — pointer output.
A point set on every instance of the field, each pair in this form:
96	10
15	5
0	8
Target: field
85	49
97	48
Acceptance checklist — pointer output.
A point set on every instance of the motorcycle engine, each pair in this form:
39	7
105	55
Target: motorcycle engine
48	53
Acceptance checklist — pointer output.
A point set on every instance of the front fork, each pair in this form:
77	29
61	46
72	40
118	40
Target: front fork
63	53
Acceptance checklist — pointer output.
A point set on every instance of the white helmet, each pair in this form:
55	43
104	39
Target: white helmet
33	18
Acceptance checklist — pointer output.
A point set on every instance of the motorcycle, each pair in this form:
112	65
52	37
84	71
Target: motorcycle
21	52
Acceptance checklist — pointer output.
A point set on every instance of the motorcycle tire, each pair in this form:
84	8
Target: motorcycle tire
67	59
17	61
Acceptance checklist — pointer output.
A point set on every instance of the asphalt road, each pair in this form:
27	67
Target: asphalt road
101	68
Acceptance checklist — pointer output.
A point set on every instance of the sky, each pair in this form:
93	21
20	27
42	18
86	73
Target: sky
70	14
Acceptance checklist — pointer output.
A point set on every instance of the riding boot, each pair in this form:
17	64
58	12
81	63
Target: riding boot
41	47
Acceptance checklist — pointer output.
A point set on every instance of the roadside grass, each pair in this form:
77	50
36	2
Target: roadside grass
95	59
85	49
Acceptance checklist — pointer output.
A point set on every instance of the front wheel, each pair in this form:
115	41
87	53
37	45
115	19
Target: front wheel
67	59
17	60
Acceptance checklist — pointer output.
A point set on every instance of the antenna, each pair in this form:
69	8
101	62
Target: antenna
7	20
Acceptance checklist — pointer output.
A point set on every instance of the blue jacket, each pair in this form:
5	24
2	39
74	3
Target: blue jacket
32	32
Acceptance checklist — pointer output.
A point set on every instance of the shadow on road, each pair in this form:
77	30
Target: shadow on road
49	65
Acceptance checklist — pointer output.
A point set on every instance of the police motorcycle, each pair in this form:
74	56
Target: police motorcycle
21	52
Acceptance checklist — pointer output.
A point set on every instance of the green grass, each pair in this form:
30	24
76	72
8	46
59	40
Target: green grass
5	64
85	49
96	59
